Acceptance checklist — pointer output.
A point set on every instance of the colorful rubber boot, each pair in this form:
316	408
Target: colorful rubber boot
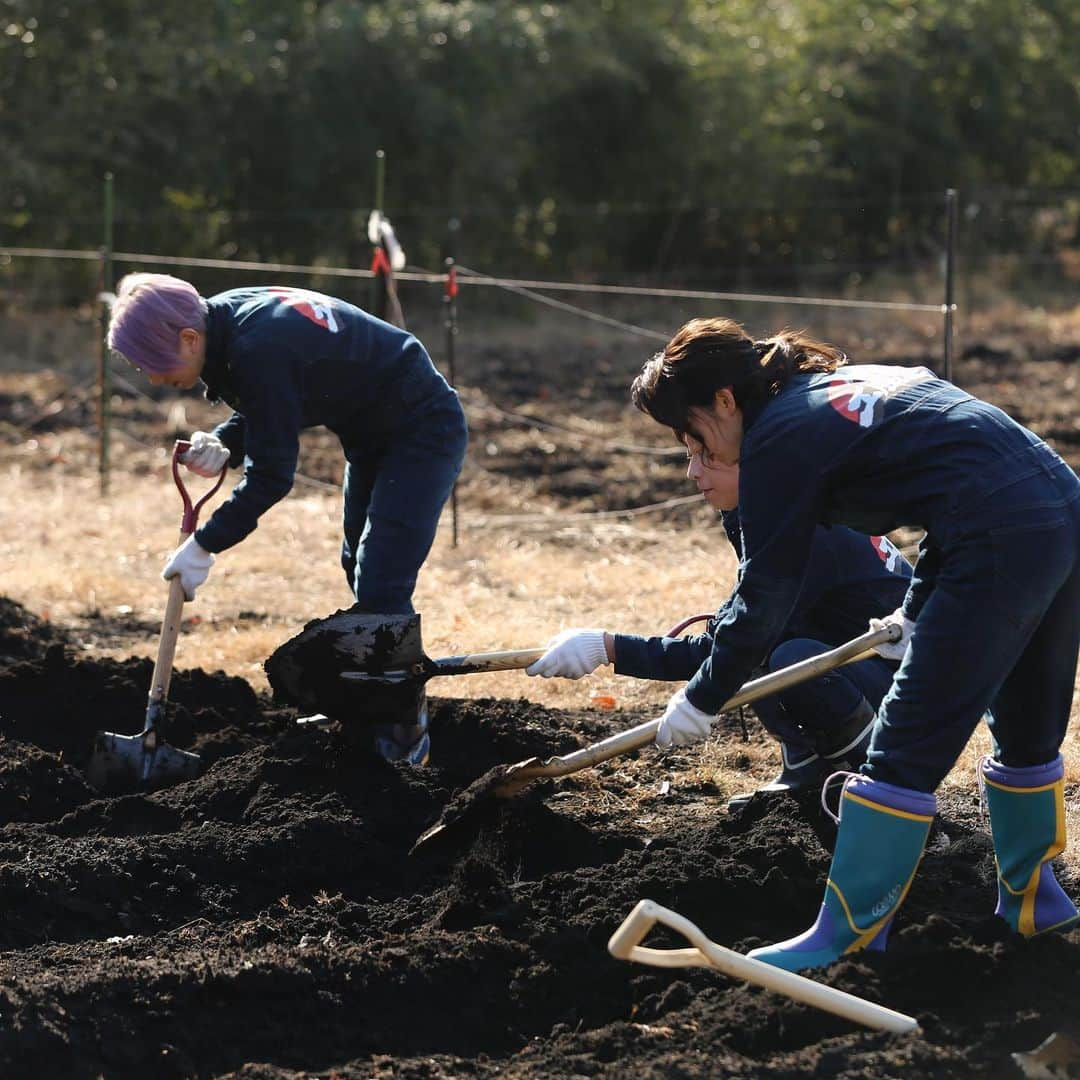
410	743
883	830
1027	819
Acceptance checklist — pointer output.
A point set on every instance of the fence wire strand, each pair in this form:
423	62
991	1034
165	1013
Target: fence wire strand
528	289
476	278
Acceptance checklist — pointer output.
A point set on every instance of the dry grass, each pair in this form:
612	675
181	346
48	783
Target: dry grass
78	560
76	557
87	562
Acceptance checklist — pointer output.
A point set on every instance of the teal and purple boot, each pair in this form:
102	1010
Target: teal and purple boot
1027	819
883	830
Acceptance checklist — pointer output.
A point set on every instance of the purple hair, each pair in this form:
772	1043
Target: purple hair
147	316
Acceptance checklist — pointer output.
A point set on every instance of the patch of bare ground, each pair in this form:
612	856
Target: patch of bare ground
266	919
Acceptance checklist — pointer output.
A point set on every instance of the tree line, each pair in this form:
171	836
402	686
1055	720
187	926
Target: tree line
637	136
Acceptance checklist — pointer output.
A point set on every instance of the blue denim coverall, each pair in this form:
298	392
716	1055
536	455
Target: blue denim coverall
287	359
850	579
996	589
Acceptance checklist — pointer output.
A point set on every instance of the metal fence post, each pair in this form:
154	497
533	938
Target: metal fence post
378	282
450	291
949	307
105	281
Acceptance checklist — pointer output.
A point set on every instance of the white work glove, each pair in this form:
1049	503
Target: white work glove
208	454
571	654
191	562
894	650
682	723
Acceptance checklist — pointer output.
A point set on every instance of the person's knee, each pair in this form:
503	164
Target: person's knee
794	651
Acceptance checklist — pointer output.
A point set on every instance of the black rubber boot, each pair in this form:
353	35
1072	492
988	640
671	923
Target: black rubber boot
845	746
407	742
793	776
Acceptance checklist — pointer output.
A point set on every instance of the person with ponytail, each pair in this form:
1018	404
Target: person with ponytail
285	359
821	725
991	619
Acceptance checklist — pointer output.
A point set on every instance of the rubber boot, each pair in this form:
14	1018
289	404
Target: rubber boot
1027	819
794	776
410	743
883	830
845	746
842	747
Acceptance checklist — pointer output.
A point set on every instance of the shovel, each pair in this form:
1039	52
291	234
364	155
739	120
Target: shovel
358	666
145	761
507	780
625	944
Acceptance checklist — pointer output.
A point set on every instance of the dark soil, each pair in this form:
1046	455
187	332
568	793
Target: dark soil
266	919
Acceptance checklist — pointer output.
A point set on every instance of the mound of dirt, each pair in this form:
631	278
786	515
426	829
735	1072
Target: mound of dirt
266	919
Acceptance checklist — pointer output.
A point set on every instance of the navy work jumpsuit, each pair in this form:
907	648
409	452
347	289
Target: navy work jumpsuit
996	589
287	359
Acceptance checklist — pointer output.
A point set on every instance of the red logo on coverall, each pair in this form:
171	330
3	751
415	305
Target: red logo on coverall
863	403
888	553
312	305
857	403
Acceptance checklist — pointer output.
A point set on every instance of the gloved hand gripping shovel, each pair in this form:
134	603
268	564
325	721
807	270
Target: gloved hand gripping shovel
507	780
145	761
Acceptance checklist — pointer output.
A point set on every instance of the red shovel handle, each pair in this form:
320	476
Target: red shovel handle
191	510
679	627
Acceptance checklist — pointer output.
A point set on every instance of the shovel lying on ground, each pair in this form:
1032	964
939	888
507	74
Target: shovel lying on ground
624	945
507	780
358	666
145	761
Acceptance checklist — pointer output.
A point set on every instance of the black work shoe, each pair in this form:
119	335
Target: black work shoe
793	776
845	747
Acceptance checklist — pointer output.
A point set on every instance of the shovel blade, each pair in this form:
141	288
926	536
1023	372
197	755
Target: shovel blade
124	763
480	798
306	670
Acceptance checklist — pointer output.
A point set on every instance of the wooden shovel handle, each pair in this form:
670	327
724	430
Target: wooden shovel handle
170	631
625	945
637	737
508	660
174	607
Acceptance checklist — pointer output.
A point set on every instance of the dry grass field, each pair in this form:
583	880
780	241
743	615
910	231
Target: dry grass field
272	917
536	552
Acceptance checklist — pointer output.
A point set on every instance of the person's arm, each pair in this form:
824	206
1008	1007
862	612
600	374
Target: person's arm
231	432
269	381
673	659
779	515
660	658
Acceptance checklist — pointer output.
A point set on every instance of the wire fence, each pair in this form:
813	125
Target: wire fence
536	292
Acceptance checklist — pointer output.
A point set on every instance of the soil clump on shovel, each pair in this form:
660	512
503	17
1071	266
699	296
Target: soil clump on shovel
265	919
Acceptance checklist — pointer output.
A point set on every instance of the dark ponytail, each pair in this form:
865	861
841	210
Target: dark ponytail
707	355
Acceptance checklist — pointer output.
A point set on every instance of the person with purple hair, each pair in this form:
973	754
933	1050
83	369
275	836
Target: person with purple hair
286	359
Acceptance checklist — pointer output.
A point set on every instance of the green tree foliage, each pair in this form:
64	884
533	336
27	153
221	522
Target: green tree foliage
638	135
